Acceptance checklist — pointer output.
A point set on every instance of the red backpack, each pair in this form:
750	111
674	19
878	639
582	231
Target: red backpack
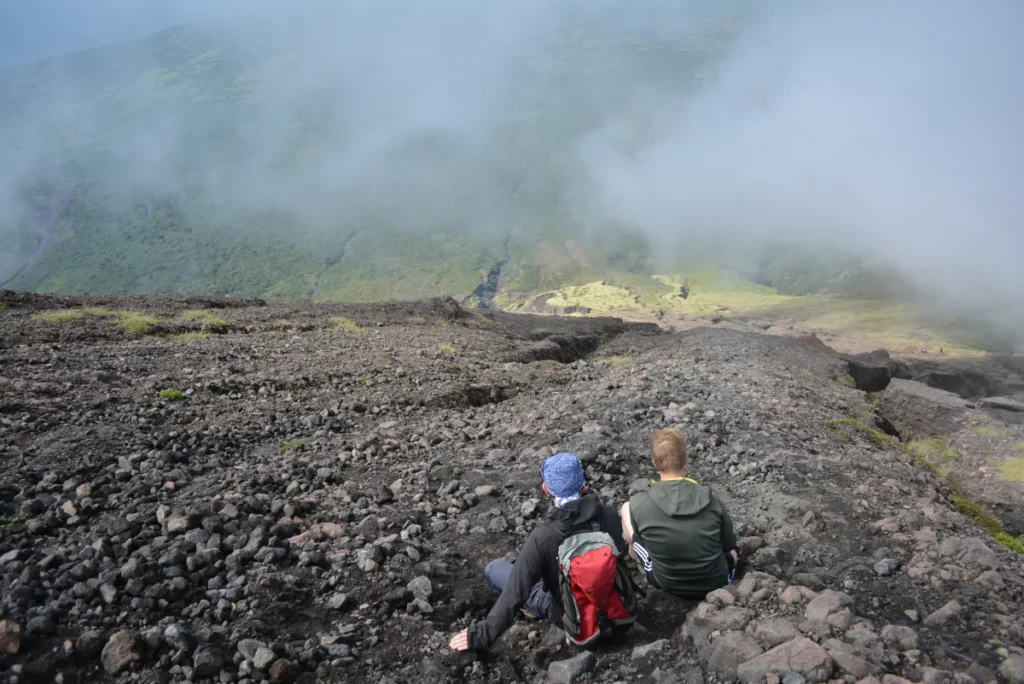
596	588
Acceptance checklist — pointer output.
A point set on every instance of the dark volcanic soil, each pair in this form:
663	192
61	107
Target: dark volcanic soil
320	503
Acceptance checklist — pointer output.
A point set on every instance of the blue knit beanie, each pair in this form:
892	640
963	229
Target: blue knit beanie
563	475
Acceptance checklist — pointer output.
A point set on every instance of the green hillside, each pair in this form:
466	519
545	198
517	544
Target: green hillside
175	179
202	160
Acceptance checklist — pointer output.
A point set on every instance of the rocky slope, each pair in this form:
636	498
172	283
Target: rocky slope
317	499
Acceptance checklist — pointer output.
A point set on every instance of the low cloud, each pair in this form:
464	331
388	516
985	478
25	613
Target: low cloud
887	129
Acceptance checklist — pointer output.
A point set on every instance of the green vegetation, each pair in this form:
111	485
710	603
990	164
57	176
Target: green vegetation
345	324
11	520
206	317
978	514
899	327
616	360
1012	470
449	349
846	380
598	296
100	312
935	450
294	445
984	518
138	323
1019	446
993	432
936	453
389	357
1010	542
58	317
839	424
482	322
4	305
716	292
172	394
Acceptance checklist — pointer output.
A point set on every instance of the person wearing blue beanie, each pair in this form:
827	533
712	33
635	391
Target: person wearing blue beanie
531	583
563	477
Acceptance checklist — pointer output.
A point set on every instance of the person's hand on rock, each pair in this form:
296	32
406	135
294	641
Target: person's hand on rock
460	642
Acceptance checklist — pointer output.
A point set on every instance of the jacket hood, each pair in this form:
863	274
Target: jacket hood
680	498
584	509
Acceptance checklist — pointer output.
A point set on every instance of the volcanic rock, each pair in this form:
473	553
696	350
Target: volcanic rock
123	650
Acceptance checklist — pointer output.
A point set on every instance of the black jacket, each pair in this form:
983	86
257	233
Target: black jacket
538	560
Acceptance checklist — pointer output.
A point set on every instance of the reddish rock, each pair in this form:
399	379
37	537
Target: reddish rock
801	656
10	637
826	603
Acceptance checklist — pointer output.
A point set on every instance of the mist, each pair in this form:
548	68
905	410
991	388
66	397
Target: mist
887	131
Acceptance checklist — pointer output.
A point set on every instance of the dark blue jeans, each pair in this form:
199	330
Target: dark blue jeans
538	603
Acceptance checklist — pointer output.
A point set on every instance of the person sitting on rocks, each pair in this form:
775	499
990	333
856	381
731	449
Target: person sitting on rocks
531	583
678	531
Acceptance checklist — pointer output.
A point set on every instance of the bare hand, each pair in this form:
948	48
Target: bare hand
460	642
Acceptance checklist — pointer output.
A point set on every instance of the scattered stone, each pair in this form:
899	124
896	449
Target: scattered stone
123	650
645	650
337	601
177	636
420	588
10	637
826	603
566	671
943	614
89	644
248	648
774	631
263	657
176	524
808	580
801	656
207	661
705	619
720	598
886	567
848	662
1012	669
991	579
201	534
904	637
283	672
728	651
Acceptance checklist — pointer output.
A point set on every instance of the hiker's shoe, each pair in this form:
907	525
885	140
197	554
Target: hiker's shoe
527	614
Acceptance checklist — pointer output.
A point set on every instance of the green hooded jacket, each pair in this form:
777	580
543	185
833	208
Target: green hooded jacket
686	532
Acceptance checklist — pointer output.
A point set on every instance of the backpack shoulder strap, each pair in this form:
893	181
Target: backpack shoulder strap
586	526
